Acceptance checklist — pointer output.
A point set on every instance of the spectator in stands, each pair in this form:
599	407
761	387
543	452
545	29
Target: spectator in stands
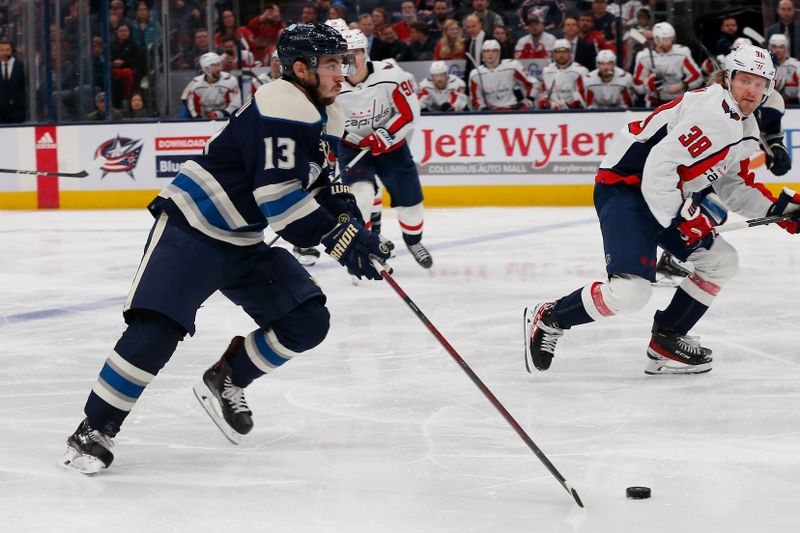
582	51
609	86
590	34
337	11
388	46
451	45
475	36
100	106
502	36
441	13
603	20
403	28
138	109
189	58
788	25
442	91
12	86
146	29
186	18
323	10
550	12
489	19
787	74
309	14
367	27
228	25
728	30
538	43
265	29
422	46
380	18
234	57
116	15
564	81
127	63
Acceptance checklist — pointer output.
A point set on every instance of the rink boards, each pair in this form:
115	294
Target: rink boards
464	160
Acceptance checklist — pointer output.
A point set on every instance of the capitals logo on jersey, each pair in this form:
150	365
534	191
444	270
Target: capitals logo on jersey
121	154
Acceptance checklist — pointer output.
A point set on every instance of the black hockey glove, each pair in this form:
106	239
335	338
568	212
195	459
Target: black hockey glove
445	107
353	246
788	203
338	199
780	163
693	226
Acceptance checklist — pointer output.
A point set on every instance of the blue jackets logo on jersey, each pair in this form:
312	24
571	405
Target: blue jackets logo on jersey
121	153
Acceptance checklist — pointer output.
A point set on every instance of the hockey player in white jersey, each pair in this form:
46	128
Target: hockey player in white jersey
380	108
666	72
564	81
664	183
707	67
787	77
214	93
608	86
500	85
442	91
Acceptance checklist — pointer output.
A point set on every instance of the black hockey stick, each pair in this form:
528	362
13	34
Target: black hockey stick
336	178
94	165
477	381
762	221
478	70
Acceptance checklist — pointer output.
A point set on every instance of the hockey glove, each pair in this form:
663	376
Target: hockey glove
780	163
338	199
788	203
525	103
353	246
379	141
655	82
693	226
445	107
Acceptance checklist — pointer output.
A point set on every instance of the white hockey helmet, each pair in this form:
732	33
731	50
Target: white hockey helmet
663	30
208	60
740	41
438	67
779	39
606	56
753	60
355	40
561	44
490	44
339	25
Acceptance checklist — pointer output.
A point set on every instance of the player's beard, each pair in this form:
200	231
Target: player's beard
314	94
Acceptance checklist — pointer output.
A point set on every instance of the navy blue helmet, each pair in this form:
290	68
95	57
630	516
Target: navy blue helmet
307	42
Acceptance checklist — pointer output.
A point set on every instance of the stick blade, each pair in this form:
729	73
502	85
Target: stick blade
754	35
637	36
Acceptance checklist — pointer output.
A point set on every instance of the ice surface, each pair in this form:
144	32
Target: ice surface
377	429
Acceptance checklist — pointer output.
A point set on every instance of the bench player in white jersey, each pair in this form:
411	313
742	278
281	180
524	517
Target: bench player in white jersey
608	86
214	93
564	81
380	107
663	183
674	72
442	91
787	77
500	85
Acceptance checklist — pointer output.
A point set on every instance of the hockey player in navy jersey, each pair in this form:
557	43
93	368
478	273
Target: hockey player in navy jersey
665	182
270	166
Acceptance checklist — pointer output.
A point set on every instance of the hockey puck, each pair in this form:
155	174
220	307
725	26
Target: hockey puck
637	493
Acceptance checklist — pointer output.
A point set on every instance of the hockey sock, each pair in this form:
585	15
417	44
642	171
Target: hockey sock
569	310
144	348
264	350
411	222
377	212
682	313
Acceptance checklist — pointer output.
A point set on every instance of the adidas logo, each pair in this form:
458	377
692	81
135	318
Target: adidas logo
46	141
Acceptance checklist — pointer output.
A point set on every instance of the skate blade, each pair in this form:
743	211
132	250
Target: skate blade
667	367
77	462
212	407
527	325
306	260
667	282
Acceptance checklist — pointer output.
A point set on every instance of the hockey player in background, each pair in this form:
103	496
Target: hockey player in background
787	77
608	86
214	93
666	72
500	85
664	183
380	108
270	166
564	81
442	91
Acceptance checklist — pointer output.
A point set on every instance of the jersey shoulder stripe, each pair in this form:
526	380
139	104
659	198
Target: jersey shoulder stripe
281	100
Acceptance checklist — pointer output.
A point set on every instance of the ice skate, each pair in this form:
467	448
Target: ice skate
670	353
669	271
541	335
223	401
306	256
88	450
421	255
